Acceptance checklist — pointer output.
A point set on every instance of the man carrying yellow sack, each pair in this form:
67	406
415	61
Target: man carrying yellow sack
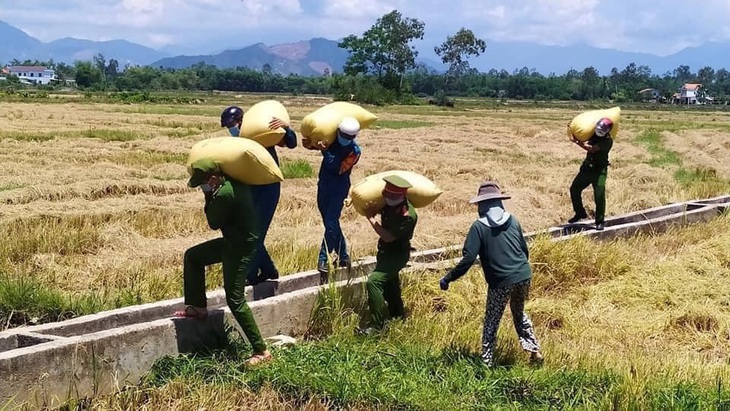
338	159
593	172
229	208
397	222
266	197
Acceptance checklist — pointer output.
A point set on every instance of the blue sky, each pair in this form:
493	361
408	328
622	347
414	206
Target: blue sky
204	26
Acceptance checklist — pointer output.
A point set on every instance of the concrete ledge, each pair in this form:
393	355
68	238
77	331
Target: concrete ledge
659	224
120	317
52	371
12	341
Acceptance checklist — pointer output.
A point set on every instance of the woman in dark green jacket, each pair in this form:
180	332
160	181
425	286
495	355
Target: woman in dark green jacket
496	237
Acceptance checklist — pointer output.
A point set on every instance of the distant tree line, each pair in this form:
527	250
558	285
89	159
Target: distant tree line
381	69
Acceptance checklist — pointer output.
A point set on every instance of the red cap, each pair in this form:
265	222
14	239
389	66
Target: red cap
391	189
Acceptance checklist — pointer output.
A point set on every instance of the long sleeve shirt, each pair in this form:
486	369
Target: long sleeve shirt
230	209
290	141
337	164
401	222
598	161
502	251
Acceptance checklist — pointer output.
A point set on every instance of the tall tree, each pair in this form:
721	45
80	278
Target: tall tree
456	50
100	62
385	49
591	79
87	74
706	76
112	69
683	73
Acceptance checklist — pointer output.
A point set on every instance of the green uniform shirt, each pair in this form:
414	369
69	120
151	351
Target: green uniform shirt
231	210
400	224
598	161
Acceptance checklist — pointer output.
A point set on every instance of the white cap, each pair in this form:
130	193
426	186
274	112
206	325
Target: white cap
349	126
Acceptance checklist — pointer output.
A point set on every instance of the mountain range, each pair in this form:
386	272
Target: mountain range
16	44
314	56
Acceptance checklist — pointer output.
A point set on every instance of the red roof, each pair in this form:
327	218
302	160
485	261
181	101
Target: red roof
27	68
691	86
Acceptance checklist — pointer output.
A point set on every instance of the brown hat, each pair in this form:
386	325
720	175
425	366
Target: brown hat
489	190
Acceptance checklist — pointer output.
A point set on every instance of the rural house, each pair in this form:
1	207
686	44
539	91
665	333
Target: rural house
650	94
690	93
33	74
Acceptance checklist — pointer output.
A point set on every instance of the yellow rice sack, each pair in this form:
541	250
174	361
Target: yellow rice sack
321	124
256	122
584	124
241	159
366	195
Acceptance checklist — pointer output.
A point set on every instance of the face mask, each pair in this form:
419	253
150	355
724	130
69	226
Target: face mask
234	131
393	201
344	141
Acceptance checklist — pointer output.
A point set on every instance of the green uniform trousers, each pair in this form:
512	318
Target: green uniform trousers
235	266
383	286
582	180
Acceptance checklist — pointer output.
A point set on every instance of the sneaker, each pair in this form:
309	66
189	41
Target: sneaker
599	226
577	218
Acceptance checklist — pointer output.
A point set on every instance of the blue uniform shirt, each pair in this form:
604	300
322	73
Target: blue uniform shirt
290	141
337	163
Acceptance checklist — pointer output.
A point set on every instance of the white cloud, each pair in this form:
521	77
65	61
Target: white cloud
359	10
143	6
654	26
160	40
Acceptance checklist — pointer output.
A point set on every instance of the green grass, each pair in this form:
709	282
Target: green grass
661	156
400	124
296	169
676	126
24	136
158	109
702	179
10	186
367	371
109	134
24	300
99	133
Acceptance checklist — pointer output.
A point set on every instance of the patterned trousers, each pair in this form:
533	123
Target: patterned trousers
496	302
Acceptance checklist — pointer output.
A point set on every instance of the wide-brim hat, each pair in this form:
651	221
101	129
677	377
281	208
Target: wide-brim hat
489	190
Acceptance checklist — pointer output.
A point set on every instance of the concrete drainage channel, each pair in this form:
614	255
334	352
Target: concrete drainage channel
44	365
